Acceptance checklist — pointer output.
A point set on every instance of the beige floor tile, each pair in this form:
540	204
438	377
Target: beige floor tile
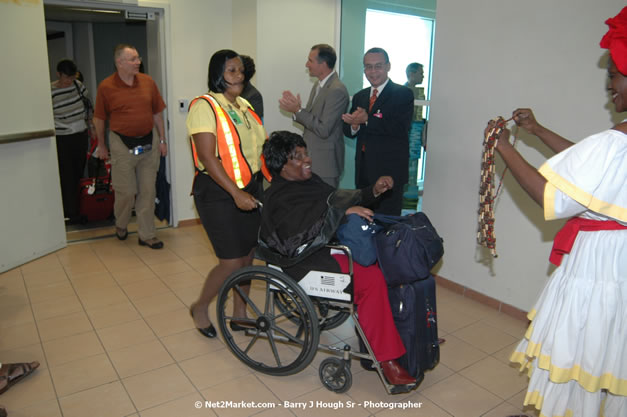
503	409
170	268
504	354
146	288
96	280
247	388
189	295
415	406
461	397
63	326
321	401
48	408
72	348
34	389
154	257
159	303
496	377
25	354
485	337
86	266
183	279
17	336
45	277
187	251
82	374
457	354
435	375
57	307
15	315
97	298
202	263
143	357
190	344
13	296
182	407
45	263
172	322
158	387
51	291
113	315
517	402
213	369
128	276
275	412
452	319
127	334
11	273
508	324
109	400
122	263
291	386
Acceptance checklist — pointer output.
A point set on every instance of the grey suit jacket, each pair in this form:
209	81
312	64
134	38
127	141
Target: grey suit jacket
323	127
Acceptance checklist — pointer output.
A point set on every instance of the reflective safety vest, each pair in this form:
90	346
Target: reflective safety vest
228	144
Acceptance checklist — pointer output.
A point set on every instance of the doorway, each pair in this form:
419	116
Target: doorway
87	33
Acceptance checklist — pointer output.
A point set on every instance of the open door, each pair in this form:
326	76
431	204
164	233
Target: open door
31	224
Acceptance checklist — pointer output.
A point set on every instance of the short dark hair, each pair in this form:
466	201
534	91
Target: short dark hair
378	51
413	67
249	67
215	78
119	48
277	149
67	67
326	53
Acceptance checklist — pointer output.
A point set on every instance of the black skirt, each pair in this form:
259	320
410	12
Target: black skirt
232	232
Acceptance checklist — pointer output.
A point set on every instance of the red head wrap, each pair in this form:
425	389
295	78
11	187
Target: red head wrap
616	40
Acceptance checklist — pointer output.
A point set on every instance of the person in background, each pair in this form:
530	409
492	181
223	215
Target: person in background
227	137
415	76
380	119
574	349
71	114
251	93
133	105
322	117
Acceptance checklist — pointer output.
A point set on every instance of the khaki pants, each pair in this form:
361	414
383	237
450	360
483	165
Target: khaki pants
133	178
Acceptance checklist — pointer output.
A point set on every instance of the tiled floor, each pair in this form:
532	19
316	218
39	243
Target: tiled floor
108	321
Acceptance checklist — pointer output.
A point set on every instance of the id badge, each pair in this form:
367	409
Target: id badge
235	117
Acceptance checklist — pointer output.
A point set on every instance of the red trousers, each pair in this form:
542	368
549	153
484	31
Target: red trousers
373	310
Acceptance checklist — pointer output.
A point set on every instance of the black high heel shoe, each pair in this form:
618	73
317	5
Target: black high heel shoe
237	328
209	332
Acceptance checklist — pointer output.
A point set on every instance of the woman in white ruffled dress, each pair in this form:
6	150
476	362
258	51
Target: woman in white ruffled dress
575	349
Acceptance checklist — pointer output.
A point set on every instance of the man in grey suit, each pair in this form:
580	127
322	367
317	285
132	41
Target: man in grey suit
321	118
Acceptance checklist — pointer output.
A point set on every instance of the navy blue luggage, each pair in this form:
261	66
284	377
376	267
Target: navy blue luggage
415	315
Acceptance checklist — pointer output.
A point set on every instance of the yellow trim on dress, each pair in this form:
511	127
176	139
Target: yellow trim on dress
582	197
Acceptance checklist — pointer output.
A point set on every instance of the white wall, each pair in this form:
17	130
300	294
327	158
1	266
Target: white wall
490	58
286	31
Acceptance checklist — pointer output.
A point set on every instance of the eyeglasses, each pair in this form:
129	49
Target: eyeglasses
377	67
299	156
135	59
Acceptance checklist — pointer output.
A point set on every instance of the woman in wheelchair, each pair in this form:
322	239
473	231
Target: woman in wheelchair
295	206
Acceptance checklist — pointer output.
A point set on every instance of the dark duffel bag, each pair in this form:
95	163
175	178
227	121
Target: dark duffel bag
408	247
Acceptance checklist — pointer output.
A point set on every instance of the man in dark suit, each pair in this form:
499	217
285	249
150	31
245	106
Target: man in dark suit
380	118
321	118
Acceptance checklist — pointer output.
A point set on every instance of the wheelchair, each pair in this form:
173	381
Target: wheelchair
282	332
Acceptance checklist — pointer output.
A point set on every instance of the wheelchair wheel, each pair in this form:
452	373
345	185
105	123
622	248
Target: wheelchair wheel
329	316
272	343
335	375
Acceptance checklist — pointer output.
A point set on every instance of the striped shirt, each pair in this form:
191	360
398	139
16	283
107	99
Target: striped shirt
68	109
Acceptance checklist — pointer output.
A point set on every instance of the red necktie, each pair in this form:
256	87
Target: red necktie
373	98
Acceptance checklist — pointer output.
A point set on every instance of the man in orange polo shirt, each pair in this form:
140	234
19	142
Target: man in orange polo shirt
132	104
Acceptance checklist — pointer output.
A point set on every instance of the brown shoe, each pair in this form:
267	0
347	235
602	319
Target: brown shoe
395	374
121	233
153	243
3	412
12	373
